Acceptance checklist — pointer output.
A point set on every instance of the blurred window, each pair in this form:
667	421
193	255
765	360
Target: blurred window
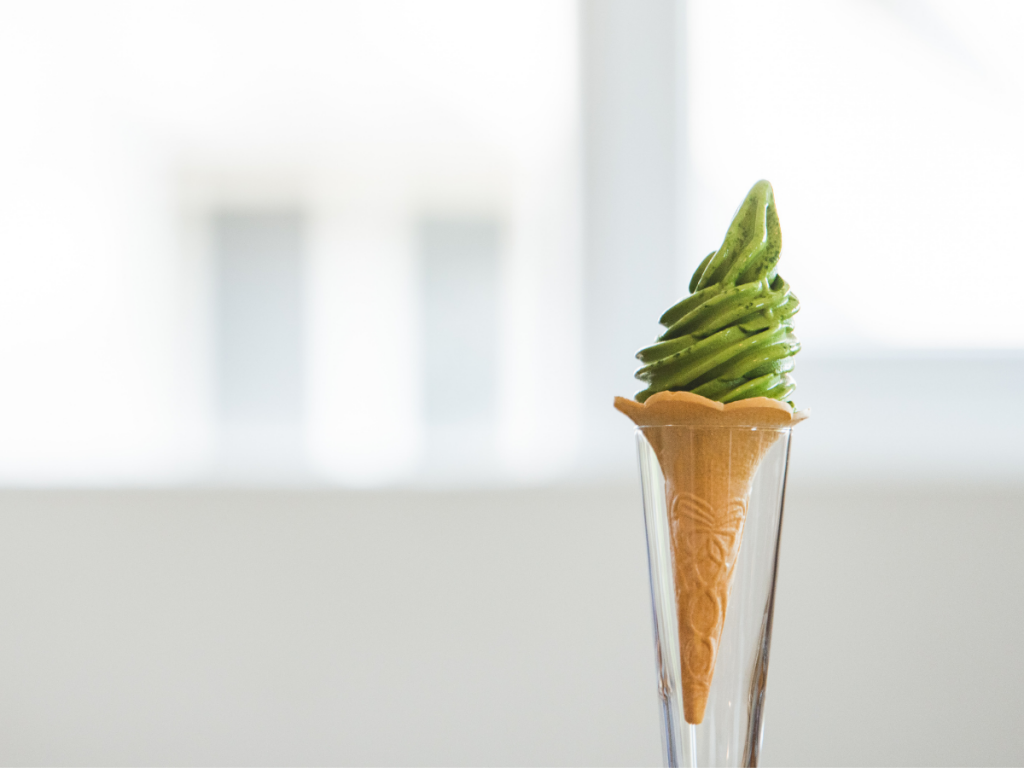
148	337
460	319
259	326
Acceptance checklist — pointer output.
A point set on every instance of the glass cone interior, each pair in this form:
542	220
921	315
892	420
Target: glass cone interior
739	548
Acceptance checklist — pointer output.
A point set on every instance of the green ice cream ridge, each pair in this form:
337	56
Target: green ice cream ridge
732	337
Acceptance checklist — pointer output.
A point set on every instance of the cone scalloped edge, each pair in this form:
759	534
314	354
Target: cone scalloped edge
685	409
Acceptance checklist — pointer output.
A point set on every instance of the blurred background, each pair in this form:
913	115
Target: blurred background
312	315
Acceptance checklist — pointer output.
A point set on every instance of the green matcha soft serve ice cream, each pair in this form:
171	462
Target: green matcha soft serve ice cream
732	337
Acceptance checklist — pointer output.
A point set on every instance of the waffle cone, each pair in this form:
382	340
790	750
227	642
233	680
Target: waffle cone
708	475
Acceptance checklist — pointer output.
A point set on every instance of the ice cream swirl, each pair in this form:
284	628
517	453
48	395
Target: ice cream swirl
732	338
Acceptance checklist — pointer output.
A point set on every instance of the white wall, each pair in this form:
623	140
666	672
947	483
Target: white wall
487	628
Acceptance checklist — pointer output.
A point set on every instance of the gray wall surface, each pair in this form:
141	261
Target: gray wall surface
485	627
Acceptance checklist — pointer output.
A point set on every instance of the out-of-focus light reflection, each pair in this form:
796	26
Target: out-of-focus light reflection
891	132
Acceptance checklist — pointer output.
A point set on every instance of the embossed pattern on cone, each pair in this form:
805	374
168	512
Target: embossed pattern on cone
708	474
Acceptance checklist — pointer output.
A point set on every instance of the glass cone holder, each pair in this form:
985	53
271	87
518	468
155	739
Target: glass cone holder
731	731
